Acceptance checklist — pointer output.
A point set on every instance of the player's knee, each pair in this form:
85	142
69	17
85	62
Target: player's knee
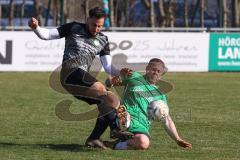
99	87
113	99
110	100
144	142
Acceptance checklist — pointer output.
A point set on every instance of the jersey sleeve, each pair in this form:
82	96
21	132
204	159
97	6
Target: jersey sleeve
126	79
165	99
106	49
65	29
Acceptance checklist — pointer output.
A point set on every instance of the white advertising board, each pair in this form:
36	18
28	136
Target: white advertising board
29	53
182	52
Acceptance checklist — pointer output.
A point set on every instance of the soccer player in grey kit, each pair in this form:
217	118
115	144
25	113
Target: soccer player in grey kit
84	41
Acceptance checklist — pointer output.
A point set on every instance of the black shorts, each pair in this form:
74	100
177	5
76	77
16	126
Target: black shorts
79	77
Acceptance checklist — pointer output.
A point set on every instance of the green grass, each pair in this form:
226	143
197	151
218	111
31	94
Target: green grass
204	106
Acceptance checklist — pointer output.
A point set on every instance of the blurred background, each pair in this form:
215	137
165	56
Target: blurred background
124	13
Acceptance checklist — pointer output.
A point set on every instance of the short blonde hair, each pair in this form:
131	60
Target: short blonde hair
157	60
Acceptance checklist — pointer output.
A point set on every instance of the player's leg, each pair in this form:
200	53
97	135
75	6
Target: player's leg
137	142
85	87
141	139
94	139
101	125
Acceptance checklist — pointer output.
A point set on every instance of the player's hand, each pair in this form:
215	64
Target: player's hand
108	83
115	81
33	23
126	72
184	144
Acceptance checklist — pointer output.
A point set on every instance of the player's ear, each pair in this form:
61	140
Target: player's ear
165	70
147	68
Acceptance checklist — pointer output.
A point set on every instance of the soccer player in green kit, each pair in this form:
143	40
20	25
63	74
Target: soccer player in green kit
139	91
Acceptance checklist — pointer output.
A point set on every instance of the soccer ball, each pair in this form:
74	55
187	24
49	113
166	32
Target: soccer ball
157	110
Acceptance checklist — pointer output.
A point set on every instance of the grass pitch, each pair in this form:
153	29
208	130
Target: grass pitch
204	107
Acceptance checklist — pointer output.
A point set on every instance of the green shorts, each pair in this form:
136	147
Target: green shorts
140	125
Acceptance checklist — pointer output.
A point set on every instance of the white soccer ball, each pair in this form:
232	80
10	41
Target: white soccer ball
157	110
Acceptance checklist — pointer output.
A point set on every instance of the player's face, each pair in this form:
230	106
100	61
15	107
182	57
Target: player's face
154	72
95	25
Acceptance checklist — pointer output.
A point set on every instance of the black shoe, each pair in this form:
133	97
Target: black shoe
95	143
122	135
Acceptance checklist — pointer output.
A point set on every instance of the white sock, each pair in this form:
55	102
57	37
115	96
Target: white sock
121	145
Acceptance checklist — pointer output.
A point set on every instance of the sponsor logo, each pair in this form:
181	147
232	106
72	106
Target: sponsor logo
7	59
224	54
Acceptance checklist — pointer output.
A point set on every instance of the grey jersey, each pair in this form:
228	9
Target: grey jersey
80	46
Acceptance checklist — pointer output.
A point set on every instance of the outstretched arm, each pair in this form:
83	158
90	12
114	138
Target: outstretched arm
172	132
114	81
117	80
43	33
106	61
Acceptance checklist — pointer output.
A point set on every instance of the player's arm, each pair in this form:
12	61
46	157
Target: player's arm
106	61
119	80
172	132
114	81
43	33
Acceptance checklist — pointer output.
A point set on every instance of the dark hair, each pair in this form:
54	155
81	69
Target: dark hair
97	12
157	60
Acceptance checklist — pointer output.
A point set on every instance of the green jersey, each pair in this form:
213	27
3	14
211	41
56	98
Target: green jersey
137	95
